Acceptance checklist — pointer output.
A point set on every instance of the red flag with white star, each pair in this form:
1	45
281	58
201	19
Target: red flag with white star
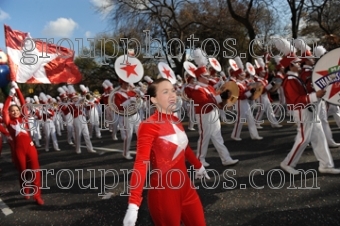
35	61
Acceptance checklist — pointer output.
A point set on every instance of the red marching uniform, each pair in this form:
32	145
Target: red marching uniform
165	146
25	153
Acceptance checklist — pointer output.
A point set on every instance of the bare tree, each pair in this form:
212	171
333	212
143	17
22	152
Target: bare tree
296	9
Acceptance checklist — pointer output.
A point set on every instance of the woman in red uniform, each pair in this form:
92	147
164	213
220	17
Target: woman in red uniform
162	141
25	152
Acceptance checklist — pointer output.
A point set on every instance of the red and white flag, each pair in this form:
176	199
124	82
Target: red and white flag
35	61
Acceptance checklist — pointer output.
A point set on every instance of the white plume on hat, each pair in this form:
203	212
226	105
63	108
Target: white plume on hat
48	97
239	62
66	89
71	89
301	45
319	51
200	57
61	90
43	97
284	46
28	100
105	86
277	59
141	84
36	99
83	88
148	79
1	105
261	62
108	83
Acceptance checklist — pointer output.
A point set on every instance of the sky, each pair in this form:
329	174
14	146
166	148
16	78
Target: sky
55	19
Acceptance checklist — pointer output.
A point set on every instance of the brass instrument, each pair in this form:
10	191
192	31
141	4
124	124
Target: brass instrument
131	109
258	90
89	96
278	83
234	93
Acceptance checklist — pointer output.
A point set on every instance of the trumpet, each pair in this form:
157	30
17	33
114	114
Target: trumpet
89	96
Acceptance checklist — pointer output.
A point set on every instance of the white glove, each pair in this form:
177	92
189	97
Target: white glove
202	173
133	99
131	215
14	85
11	92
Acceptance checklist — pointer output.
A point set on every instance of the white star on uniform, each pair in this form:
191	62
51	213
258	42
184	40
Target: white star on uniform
18	128
179	138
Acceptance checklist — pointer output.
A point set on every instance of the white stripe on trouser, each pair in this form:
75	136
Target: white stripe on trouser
80	127
50	132
210	128
244	113
127	125
309	131
266	107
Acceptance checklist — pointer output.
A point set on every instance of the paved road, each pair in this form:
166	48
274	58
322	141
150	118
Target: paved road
242	196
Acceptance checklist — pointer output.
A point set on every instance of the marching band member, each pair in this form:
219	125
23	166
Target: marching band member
165	144
307	63
243	109
92	111
124	97
187	89
66	111
32	121
46	114
25	153
79	121
110	117
209	128
280	74
298	98
263	100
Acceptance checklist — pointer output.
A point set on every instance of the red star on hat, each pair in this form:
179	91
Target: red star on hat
167	73
335	86
251	69
214	61
130	69
192	69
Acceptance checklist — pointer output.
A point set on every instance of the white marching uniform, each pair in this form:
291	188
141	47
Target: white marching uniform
209	125
265	105
47	115
244	114
93	116
307	131
127	123
80	128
